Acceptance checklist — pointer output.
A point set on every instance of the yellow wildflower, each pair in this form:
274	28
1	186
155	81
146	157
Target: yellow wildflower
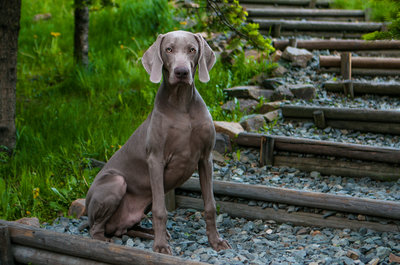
112	146
35	36
133	38
183	23
119	146
55	34
122	47
36	192
28	212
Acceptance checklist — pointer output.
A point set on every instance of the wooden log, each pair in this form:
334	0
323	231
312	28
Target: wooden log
318	25
282	216
345	65
6	256
308	13
170	201
392	89
28	255
374	127
319	119
387	209
348	88
293	42
313	4
376	171
276	30
350	114
341	45
267	150
361	62
362	71
326	148
319	3
77	246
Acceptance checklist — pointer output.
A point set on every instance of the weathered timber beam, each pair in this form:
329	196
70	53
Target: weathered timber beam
362	71
6	256
319	25
350	114
297	12
327	148
341	45
392	89
376	171
28	255
77	246
361	62
305	3
282	216
387	209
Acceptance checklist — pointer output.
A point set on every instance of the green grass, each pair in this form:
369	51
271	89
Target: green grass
66	114
381	10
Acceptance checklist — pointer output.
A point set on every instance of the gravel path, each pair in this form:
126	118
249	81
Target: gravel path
260	242
246	170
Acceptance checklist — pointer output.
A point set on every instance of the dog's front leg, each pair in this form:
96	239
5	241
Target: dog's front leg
205	173
156	171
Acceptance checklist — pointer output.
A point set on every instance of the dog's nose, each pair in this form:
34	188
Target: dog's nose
181	72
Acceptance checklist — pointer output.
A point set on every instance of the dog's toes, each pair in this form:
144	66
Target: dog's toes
168	235
164	249
221	244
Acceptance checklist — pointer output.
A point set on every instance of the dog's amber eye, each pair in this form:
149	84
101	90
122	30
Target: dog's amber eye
168	50
193	50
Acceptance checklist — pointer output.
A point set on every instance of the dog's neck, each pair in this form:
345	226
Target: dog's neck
179	96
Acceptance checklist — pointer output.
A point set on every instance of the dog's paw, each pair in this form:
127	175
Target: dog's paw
220	244
162	248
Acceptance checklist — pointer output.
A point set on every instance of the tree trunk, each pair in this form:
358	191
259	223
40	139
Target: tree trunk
81	35
10	12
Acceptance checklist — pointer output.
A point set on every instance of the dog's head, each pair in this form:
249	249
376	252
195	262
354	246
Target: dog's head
177	54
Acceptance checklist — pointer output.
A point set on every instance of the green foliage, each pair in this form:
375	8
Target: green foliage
230	16
66	114
381	10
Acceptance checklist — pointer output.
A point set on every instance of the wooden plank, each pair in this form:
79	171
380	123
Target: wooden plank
319	119
27	255
348	88
319	3
387	209
303	12
327	148
170	201
341	45
376	171
282	216
362	71
365	88
315	34
6	256
318	25
361	62
267	150
350	114
77	246
363	126
345	65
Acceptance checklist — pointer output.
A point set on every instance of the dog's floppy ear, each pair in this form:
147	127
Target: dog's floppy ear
152	61
206	59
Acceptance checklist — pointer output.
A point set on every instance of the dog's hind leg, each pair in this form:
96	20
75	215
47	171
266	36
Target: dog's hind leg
103	200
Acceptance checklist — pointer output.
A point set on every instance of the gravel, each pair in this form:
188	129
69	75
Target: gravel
259	242
247	170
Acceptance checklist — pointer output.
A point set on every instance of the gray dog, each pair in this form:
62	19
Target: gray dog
175	139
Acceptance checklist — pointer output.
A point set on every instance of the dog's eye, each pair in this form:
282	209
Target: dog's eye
168	50
192	50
